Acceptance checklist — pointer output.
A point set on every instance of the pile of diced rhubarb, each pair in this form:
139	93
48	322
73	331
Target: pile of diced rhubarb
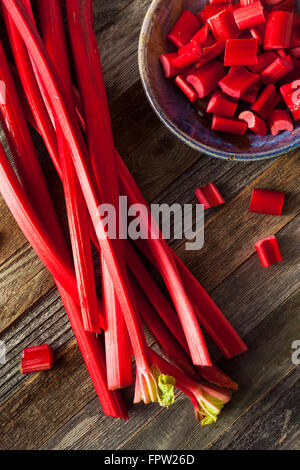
244	57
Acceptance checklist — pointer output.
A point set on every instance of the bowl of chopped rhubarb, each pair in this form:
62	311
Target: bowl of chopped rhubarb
224	76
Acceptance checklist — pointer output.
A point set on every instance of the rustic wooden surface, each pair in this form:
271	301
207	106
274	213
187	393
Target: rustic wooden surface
58	409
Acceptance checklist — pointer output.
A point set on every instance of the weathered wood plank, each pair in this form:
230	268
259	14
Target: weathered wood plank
268	359
85	438
271	424
230	236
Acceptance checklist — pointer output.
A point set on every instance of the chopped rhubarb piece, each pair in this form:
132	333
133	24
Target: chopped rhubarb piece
291	95
263	61
221	105
167	61
268	251
188	55
278	30
250	15
250	95
209	196
240	52
266	102
280	120
206	78
272	3
214	2
232	126
211	10
223	25
285	5
258	33
187	89
185	28
295	36
293	74
211	52
277	70
37	359
295	52
201	35
247	2
264	201
238	81
255	123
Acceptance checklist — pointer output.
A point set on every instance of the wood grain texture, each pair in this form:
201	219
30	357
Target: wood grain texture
59	409
271	423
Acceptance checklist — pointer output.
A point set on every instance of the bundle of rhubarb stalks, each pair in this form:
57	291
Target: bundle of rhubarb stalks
72	116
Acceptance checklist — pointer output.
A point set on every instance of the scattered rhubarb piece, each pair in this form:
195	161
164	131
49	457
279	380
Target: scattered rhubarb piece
250	15
266	102
240	52
238	81
254	123
268	251
209	196
280	120
184	29
232	126
277	70
278	30
167	61
221	104
187	89
264	201
206	78
223	25
37	359
291	95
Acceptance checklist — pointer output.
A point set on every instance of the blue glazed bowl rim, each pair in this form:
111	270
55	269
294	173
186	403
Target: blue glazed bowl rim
150	93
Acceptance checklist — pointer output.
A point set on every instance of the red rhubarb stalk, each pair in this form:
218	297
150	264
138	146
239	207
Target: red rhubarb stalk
208	401
53	34
79	156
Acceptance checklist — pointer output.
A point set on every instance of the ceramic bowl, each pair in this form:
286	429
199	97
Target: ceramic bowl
188	122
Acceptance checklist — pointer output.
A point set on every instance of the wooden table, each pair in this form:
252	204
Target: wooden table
59	410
